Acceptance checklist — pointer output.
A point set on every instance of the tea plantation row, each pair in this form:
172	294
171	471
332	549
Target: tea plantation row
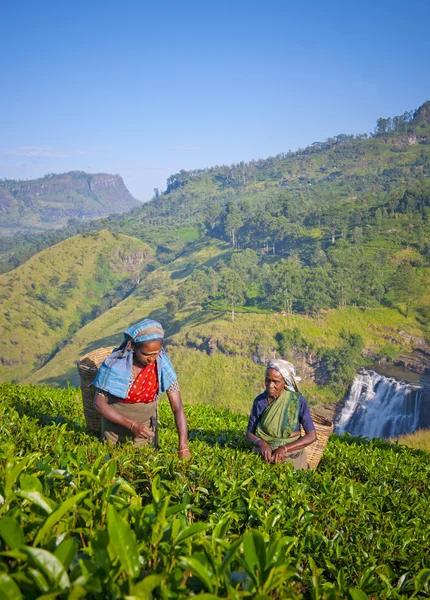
79	519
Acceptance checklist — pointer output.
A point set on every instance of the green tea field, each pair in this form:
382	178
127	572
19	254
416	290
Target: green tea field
80	519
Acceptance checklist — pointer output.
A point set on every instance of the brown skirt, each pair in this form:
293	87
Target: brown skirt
299	459
141	412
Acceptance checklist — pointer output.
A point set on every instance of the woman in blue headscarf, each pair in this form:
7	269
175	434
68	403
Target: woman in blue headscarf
128	386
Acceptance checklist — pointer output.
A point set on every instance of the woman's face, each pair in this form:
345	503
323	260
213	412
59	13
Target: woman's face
147	352
275	384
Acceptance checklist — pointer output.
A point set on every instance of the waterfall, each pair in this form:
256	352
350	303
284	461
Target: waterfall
379	406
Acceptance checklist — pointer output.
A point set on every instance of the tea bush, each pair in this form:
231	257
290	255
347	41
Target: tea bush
80	519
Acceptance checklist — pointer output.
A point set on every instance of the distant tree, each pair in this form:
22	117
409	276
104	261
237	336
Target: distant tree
405	286
339	364
233	221
343	258
190	292
318	256
232	288
287	283
172	307
381	127
317	290
289	341
357	235
245	264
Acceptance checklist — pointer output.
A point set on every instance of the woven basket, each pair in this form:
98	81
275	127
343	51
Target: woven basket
324	429
88	366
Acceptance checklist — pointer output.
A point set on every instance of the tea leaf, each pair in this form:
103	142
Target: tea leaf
123	541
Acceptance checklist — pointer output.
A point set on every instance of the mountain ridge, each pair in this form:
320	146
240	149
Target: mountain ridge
50	201
323	184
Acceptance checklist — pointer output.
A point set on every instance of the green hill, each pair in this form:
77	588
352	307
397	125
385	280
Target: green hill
368	187
51	201
80	519
220	362
53	294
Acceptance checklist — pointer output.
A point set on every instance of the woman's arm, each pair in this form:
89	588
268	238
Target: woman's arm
180	421
108	412
260	446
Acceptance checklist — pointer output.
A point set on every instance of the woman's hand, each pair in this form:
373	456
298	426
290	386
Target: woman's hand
184	453
141	431
279	455
264	449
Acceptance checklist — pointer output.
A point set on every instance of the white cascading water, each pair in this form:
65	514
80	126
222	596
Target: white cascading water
379	406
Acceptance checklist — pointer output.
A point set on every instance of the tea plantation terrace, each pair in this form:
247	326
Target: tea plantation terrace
80	519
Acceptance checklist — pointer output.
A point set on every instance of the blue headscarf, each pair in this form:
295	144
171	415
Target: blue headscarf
144	330
114	375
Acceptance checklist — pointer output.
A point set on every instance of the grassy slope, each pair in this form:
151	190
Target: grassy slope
229	377
106	329
52	292
419	440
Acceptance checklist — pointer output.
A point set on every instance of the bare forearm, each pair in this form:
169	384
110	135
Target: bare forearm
180	418
251	437
260	446
181	426
302	442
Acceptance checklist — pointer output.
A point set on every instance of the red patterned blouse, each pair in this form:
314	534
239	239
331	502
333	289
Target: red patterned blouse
145	387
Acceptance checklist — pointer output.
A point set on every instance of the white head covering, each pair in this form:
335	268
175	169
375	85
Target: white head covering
288	372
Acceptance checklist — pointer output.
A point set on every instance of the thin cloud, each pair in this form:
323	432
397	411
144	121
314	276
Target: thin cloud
185	147
42	152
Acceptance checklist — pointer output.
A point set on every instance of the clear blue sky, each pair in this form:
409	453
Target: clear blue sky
145	89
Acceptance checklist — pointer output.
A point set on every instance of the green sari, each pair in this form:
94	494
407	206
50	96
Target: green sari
279	420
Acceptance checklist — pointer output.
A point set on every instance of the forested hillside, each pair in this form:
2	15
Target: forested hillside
49	202
341	223
340	188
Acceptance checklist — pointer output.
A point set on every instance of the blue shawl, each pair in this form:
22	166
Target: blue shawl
115	373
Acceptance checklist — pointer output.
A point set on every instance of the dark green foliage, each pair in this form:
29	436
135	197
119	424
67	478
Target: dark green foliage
339	365
172	307
291	340
80	519
405	285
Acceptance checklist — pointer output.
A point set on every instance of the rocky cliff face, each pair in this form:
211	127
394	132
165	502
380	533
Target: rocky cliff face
49	202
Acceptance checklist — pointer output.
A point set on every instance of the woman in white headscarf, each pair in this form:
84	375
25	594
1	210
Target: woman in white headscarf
276	417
